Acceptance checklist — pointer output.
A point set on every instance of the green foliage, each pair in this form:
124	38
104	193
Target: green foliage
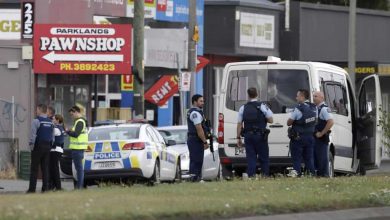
368	4
384	122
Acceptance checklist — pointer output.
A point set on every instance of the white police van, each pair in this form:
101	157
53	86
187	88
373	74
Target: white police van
355	144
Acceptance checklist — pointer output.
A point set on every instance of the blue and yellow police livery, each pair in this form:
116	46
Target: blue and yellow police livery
129	151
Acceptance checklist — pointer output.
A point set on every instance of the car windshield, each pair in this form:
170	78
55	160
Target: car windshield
113	133
180	135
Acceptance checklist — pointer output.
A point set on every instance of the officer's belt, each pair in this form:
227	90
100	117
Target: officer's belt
192	134
255	131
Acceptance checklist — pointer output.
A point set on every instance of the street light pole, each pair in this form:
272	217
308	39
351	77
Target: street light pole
138	24
192	45
352	42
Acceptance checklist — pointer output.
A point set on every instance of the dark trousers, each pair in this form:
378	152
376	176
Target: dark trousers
196	149
256	148
303	148
39	156
321	158
55	181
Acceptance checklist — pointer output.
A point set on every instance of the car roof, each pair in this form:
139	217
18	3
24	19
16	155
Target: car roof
175	127
314	64
119	125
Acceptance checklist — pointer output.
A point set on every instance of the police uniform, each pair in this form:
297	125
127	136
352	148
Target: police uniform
55	155
254	114
321	149
195	116
40	141
305	117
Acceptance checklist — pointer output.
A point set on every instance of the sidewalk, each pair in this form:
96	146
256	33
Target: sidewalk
21	186
380	213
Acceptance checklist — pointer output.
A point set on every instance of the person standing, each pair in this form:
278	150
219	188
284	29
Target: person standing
253	118
78	143
196	141
56	152
303	120
50	112
40	143
321	140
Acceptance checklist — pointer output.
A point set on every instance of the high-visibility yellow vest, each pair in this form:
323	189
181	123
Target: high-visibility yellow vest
80	142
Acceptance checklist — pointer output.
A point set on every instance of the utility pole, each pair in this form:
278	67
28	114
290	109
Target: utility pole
138	24
352	42
192	45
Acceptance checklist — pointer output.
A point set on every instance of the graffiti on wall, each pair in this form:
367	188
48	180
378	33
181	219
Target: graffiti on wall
6	117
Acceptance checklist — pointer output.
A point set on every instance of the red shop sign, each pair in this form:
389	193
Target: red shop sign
163	89
82	49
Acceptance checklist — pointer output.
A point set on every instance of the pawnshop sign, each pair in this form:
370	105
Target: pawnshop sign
82	49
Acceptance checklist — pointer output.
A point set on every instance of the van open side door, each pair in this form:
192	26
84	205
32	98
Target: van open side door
369	132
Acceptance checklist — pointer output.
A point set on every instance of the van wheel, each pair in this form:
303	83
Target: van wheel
361	171
226	173
155	179
331	165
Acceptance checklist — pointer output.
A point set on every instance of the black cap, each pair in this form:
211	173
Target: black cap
75	108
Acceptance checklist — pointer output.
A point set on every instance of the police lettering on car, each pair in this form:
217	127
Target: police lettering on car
252	120
303	120
322	130
197	141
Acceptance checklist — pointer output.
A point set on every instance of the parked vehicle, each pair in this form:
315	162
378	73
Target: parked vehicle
129	152
211	169
355	144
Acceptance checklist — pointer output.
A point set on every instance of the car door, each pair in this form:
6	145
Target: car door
369	135
162	152
210	163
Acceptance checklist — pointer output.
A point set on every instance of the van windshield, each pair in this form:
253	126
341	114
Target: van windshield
278	87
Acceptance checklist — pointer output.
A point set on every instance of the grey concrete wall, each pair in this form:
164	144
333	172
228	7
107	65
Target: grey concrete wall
14	82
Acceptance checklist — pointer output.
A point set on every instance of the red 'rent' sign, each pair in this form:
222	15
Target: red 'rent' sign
162	90
82	49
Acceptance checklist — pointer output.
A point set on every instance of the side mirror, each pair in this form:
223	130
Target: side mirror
171	142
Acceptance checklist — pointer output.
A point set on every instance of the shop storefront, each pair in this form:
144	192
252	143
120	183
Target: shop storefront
77	52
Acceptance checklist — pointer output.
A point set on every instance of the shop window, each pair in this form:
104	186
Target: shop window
114	83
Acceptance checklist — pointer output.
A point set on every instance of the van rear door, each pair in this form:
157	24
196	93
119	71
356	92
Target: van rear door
369	135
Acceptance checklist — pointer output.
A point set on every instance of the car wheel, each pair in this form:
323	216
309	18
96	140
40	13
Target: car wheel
178	173
156	174
331	165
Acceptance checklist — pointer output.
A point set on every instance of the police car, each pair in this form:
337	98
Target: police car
129	152
211	169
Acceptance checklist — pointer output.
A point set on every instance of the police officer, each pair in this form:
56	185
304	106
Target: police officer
321	147
56	152
40	143
196	141
303	120
78	143
253	118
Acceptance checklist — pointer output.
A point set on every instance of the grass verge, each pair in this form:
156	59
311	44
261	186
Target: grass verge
201	201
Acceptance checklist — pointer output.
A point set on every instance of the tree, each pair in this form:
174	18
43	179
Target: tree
384	122
371	4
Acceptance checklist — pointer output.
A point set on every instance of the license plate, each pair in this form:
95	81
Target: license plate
109	164
239	150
